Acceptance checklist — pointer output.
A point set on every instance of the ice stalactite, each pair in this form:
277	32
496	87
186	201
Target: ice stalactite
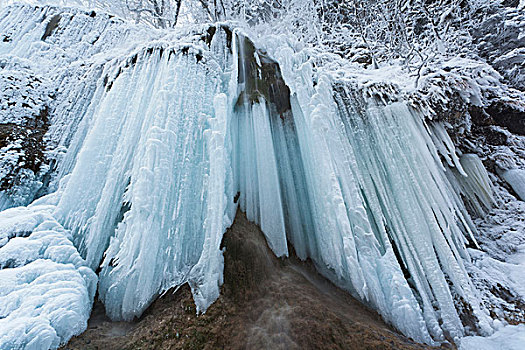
140	193
397	230
268	169
474	185
258	177
412	210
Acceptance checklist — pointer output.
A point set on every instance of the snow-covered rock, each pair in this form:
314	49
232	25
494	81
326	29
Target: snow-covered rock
46	290
507	338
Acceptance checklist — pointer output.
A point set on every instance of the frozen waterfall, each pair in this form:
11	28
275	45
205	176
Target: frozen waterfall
155	147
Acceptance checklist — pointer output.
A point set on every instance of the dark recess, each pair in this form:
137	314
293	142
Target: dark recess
51	27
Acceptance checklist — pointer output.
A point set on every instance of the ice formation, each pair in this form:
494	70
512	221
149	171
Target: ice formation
46	289
162	141
516	179
475	185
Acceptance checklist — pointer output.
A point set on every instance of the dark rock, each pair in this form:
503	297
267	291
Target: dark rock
52	25
505	115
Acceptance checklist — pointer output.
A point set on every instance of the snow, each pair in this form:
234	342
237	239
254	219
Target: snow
517	269
510	337
46	291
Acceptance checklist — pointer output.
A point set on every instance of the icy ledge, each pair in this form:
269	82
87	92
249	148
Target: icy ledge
46	290
506	338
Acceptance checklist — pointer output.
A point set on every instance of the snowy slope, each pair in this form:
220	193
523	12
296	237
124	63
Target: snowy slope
152	140
506	338
46	290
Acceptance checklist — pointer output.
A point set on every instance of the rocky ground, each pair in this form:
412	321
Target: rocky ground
266	303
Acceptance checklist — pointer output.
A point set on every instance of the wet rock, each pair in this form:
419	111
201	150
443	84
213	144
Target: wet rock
265	303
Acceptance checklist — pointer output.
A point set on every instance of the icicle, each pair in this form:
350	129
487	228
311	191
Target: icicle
475	185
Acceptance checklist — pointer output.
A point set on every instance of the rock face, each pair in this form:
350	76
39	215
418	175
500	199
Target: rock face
499	39
266	303
24	121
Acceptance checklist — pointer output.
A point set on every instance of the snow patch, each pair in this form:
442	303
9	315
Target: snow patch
509	337
46	291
